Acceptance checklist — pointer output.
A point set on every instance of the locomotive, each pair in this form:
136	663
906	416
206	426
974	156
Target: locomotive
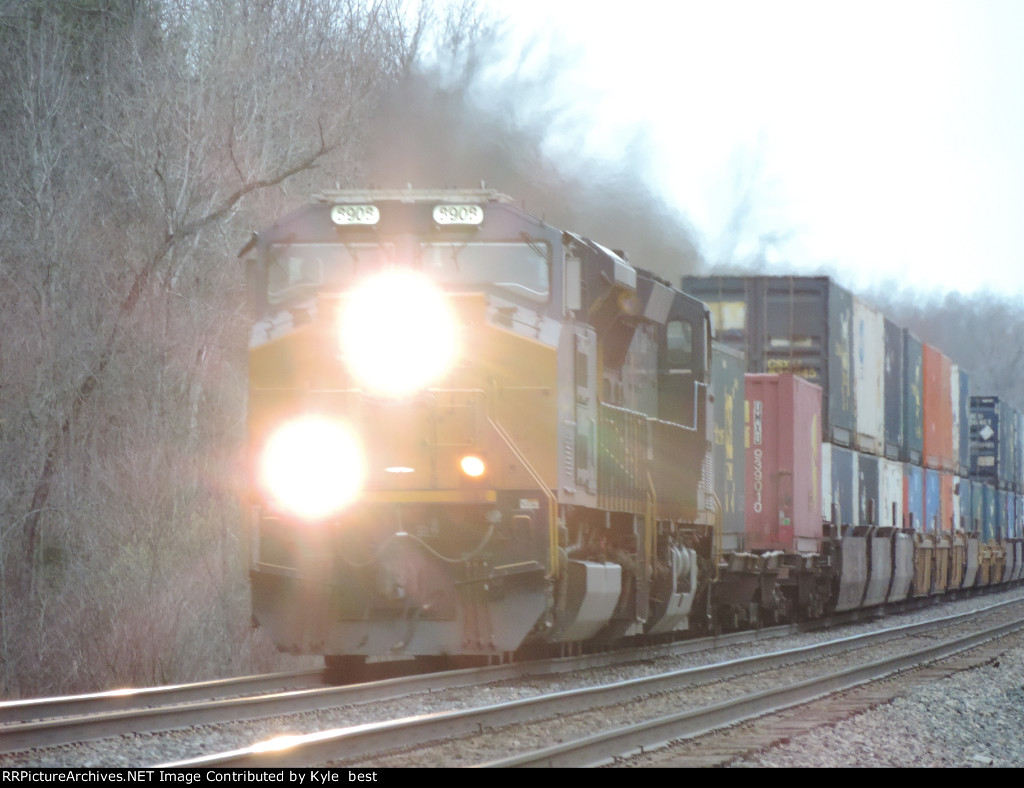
473	434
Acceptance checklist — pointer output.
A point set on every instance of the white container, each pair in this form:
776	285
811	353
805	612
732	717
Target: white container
869	377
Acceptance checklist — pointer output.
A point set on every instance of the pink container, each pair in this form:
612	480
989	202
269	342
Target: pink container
782	433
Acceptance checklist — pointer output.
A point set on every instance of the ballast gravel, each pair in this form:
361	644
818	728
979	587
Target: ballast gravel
971	719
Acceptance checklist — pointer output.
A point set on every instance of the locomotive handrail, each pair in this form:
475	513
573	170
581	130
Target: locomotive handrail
539	481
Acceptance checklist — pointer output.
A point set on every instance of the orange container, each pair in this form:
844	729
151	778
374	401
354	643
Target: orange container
938	410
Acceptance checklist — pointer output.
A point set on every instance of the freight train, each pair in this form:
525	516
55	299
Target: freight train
474	435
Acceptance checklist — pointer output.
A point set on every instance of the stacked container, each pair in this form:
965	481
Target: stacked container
938	410
792	324
895	388
904	443
963	405
913	399
869	361
993	439
727	379
783	446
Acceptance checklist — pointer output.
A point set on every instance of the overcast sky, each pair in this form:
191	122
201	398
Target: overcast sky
884	140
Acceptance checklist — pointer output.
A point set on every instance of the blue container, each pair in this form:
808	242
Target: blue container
932	501
993	439
1018	454
977	521
990	521
913	498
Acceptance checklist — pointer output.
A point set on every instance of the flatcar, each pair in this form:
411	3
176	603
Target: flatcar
474	435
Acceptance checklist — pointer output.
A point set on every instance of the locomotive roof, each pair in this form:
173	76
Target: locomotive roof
412	195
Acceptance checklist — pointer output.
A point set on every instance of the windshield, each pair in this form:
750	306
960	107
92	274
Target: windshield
522	267
298	271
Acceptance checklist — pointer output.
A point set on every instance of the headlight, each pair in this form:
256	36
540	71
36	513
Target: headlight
397	333
311	467
473	466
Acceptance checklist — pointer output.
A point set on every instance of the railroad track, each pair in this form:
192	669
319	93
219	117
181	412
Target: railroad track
724	746
51	722
383	703
632	716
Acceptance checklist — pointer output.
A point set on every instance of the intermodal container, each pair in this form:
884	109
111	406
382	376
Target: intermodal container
938	410
993	438
728	368
894	390
869	377
964	520
932	501
913	398
783	439
989	521
954	400
913	496
891	510
792	324
947	502
977	514
1018	452
964	422
1001	527
869	489
842	480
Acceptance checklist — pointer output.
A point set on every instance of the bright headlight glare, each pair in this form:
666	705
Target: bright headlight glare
472	466
311	467
397	332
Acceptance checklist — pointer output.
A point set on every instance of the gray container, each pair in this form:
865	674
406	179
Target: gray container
869	377
963	406
894	390
869	489
798	324
844	491
728	454
1019	452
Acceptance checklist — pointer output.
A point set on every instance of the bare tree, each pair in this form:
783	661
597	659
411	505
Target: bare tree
142	140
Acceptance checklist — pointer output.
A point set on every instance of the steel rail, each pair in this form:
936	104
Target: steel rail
74	719
355	741
611	746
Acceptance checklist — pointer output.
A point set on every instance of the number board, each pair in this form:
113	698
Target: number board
458	214
355	214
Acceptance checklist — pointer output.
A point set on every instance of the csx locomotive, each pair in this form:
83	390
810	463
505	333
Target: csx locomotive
473	434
